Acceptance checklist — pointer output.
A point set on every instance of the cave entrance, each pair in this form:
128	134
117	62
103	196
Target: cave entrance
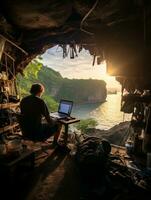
77	80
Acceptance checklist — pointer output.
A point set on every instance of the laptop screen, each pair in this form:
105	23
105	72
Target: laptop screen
65	107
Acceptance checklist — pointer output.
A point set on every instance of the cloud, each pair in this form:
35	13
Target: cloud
53	58
80	67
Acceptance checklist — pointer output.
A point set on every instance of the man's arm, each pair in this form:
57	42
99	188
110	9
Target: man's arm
45	113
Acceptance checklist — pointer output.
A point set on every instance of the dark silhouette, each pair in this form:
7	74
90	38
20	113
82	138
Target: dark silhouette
36	123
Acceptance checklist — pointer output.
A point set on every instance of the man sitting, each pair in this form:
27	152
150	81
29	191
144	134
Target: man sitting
33	109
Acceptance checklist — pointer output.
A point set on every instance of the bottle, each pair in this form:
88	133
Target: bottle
129	146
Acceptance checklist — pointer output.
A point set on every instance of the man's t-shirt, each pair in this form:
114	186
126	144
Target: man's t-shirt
33	109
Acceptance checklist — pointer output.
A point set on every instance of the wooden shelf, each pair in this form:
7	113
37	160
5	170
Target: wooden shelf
8	105
28	153
5	80
9	127
69	121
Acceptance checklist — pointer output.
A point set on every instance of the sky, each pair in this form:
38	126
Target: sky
79	68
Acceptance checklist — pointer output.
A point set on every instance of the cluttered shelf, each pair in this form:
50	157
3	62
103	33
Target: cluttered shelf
9	127
8	105
5	80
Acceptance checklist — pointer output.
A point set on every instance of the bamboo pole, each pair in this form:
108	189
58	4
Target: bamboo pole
14	44
9	56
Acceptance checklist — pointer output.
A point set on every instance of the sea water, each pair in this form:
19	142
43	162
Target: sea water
107	114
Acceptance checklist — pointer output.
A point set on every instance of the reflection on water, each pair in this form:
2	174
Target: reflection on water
107	114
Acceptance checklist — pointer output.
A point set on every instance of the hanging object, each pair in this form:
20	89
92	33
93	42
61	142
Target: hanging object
73	50
80	48
98	55
86	16
99	60
94	57
64	48
71	53
2	44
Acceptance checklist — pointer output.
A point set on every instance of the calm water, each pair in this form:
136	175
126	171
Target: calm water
107	114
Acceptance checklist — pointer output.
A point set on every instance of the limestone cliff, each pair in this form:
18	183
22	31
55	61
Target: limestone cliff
83	90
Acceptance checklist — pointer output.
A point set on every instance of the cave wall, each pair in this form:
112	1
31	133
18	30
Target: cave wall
119	30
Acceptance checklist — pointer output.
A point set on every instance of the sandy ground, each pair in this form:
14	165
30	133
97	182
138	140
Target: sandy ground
54	178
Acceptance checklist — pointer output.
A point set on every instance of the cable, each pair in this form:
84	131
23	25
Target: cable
85	17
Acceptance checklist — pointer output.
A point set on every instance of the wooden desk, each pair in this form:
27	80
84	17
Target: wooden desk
66	123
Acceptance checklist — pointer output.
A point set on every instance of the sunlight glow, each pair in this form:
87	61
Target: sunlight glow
110	80
78	68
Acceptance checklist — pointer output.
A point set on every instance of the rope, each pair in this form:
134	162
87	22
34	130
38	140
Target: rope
86	16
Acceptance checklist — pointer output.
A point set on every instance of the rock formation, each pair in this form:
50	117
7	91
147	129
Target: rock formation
115	135
117	31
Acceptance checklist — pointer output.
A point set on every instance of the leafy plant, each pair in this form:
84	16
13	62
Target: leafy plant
57	87
32	69
51	103
84	124
32	75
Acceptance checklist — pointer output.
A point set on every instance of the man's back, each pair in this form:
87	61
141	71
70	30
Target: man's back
32	110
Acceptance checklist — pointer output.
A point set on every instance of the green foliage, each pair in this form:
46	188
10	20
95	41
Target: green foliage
51	103
35	73
84	124
32	69
57	87
51	79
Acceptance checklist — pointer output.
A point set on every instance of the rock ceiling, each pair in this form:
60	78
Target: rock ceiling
117	29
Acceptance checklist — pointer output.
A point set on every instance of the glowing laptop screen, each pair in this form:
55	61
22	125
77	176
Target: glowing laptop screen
65	107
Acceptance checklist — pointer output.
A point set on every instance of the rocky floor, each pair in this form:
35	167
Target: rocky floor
56	180
56	177
115	135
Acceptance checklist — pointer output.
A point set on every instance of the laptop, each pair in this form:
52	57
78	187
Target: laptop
64	109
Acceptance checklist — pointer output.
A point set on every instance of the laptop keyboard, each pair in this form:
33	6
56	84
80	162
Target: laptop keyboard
59	115
62	115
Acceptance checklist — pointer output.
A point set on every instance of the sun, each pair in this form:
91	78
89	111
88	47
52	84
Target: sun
78	68
101	73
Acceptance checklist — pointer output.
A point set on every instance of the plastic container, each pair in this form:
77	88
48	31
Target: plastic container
129	147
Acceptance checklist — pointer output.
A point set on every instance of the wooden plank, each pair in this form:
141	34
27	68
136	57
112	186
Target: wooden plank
22	156
3	81
8	105
118	150
69	120
14	44
9	56
118	147
9	127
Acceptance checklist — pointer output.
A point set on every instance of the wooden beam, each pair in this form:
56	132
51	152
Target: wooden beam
14	44
9	56
9	127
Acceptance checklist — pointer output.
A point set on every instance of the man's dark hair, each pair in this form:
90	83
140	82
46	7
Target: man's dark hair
36	88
